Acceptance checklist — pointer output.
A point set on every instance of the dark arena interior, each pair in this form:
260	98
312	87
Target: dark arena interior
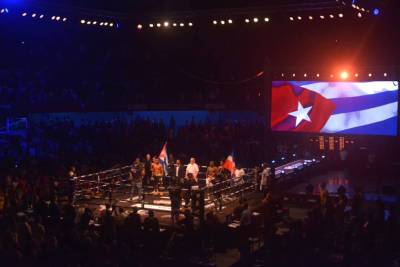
199	133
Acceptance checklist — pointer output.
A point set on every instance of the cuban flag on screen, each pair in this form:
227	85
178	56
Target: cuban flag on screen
335	107
164	157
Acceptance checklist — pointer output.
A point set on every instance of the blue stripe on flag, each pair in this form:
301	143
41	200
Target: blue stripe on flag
350	104
386	127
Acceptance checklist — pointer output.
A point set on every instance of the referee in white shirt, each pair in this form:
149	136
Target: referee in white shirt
192	168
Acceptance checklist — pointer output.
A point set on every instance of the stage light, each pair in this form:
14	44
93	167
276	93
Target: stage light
151	25
359	15
294	155
305	74
105	24
356	75
24	14
174	24
247	20
88	22
111	24
2	10
322	16
266	19
101	23
273	161
33	15
323	156
313	160
369	74
94	22
385	74
139	26
41	16
283	158
331	16
299	17
158	25
65	19
344	75
376	11
283	74
310	17
166	24
53	17
230	21
82	21
215	22
294	74
222	22
317	75
331	75
255	20
340	15
181	24
58	18
291	18
190	24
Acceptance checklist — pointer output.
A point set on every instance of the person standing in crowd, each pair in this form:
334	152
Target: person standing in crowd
179	171
192	168
265	177
211	173
136	178
147	170
188	184
157	170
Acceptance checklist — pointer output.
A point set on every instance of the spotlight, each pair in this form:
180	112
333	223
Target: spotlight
166	24
299	17
58	18
273	161
323	156
266	19
83	21
247	20
53	17
376	11
139	26
291	18
344	75
317	75
174	24
215	22
151	25
294	155
283	74
282	158
385	74
190	24
41	16
158	25
230	21
2	11
340	15
111	24
322	16
105	24
223	22
33	15
94	22
359	15
255	20
65	19
369	74
88	22
313	160
101	23
331	16
181	24
356	75
24	14
294	74
310	17
305	74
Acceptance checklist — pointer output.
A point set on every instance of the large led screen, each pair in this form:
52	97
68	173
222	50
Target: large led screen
365	108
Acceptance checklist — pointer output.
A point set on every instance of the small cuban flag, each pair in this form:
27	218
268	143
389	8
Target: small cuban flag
164	157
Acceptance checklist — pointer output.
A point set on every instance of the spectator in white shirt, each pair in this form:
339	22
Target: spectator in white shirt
192	168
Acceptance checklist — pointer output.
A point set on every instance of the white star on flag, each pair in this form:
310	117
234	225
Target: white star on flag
301	114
